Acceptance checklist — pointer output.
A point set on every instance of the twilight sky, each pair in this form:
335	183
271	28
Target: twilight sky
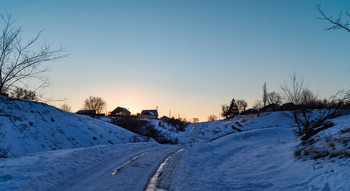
187	56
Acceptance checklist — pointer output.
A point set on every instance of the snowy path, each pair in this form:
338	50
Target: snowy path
132	172
163	177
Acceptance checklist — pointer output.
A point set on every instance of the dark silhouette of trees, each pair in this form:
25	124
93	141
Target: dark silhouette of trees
258	104
95	103
264	95
274	98
19	61
241	105
212	118
270	98
21	93
66	107
308	98
229	111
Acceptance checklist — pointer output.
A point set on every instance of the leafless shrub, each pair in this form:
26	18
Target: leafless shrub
21	93
310	121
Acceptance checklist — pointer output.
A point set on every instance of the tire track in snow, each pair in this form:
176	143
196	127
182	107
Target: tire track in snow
128	162
131	174
156	179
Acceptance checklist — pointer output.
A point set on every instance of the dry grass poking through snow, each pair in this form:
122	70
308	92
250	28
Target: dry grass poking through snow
331	146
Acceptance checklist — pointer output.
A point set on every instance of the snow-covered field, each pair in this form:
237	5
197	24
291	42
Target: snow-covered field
243	153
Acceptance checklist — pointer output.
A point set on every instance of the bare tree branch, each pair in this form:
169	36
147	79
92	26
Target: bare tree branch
336	24
21	62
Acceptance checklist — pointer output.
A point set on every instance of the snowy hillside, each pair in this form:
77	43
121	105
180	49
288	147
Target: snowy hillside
209	131
260	159
27	127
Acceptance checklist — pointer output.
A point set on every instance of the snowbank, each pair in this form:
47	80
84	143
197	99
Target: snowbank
27	127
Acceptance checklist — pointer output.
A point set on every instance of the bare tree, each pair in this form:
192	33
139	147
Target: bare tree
264	95
95	103
293	91
336	23
66	107
308	97
19	61
241	105
274	98
258	104
212	118
21	93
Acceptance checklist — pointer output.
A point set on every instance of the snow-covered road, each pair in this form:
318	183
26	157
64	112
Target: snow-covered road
131	172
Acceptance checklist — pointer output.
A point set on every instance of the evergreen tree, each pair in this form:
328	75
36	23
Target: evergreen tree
228	111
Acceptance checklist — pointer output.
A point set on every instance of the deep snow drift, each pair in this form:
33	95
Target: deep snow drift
34	127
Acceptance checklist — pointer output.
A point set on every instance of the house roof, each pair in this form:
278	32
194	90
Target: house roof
120	109
150	112
87	112
271	107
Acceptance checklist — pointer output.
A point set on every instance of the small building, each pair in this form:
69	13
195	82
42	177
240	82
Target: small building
120	111
249	111
288	106
4	94
90	113
148	114
165	118
270	107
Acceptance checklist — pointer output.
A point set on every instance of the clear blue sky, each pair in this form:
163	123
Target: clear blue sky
185	56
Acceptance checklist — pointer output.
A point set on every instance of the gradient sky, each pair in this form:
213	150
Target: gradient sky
186	56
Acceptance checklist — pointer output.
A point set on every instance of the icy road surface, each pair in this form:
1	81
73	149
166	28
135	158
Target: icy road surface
132	172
